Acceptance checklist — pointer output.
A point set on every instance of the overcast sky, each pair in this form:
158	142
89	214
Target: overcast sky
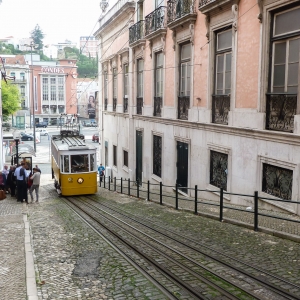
58	19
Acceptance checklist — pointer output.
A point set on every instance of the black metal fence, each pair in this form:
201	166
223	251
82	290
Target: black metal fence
157	193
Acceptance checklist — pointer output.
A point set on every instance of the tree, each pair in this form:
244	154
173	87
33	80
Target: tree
37	36
10	99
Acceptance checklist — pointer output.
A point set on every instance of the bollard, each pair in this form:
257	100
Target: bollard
221	205
109	183
138	189
256	211
160	193
196	199
115	184
104	181
176	195
100	181
148	190
128	186
121	185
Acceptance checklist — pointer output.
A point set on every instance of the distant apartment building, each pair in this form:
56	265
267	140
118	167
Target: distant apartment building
88	46
203	93
54	89
17	67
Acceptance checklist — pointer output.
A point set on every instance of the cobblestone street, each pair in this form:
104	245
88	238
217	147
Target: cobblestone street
71	262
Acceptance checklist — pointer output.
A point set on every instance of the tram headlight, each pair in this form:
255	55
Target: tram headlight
80	180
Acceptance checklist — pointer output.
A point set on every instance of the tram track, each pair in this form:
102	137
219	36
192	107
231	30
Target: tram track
251	271
197	280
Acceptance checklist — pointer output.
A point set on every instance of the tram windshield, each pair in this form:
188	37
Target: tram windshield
79	163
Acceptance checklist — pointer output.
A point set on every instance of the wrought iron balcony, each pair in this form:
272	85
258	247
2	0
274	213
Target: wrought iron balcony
220	109
155	20
157	106
125	105
136	32
139	106
183	107
205	2
280	112
178	9
206	6
105	104
114	104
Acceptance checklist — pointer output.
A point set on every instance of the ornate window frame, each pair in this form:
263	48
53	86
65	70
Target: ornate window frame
154	176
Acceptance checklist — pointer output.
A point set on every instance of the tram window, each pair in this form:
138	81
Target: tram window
92	162
79	163
61	163
66	164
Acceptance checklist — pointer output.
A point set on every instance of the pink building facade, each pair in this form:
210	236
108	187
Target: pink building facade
203	93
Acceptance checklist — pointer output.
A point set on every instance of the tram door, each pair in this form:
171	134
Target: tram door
139	156
182	165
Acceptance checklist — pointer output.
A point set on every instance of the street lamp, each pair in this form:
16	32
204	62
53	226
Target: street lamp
32	45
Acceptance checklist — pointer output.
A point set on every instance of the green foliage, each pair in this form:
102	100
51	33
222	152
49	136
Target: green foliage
37	36
10	99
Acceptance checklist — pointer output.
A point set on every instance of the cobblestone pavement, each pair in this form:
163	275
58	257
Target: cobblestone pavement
71	262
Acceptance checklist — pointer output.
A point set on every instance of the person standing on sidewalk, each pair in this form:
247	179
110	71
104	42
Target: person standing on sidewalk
5	172
36	179
101	171
21	176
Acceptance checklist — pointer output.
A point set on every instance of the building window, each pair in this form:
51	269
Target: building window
105	89
61	89
140	85
45	89
22	90
218	169
125	88
22	76
185	70
115	156
223	62
115	89
158	79
157	153
12	74
277	181
52	88
125	158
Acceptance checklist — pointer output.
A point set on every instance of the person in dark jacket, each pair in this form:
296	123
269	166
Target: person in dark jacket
2	181
11	181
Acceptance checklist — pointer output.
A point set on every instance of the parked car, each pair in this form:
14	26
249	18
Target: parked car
41	124
26	137
94	124
95	137
42	131
87	124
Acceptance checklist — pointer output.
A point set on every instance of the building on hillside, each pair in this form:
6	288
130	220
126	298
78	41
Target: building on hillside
88	46
17	67
87	102
203	93
54	89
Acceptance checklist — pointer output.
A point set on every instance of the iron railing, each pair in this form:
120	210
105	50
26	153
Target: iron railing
136	32
155	20
157	106
105	104
220	109
183	107
203	3
158	192
114	104
280	112
125	105
139	106
177	9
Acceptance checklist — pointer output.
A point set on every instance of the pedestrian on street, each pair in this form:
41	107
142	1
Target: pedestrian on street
2	181
5	172
21	176
36	179
101	171
11	181
38	169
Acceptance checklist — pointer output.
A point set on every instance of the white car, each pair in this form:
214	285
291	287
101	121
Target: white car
42	131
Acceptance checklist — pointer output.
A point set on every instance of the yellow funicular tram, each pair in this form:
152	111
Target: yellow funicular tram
74	163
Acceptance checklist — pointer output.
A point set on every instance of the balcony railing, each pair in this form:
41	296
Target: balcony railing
136	32
139	106
183	107
157	106
155	20
114	104
179	8
280	112
125	105
205	2
105	104
220	109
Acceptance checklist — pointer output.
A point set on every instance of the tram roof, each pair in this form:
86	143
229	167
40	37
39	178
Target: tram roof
69	143
23	149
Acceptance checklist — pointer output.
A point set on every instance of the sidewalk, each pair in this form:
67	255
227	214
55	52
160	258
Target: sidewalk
54	250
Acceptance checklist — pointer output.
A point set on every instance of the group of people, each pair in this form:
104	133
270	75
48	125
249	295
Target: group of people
18	182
